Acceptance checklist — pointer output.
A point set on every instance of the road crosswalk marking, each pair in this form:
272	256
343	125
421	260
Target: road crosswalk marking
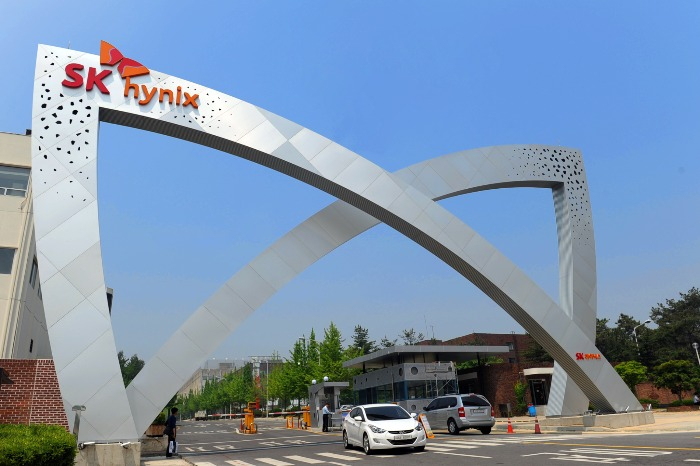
238	463
610	451
457	445
338	457
461	454
304	459
274	462
477	443
437	448
205	463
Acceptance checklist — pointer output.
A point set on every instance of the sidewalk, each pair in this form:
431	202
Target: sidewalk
687	421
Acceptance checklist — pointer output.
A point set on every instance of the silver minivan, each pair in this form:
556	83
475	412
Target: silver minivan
460	412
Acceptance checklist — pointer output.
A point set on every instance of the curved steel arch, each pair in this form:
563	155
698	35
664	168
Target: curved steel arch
65	126
519	166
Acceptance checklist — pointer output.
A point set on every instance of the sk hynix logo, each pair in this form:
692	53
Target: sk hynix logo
128	68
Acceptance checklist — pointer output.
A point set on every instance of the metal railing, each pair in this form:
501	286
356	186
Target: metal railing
12	192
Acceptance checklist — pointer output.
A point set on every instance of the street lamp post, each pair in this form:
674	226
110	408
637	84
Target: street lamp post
695	347
634	332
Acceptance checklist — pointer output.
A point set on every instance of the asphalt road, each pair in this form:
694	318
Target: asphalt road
218	444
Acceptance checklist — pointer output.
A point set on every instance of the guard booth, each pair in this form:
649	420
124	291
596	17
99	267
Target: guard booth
322	393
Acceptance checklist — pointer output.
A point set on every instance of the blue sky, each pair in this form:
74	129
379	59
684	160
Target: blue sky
396	82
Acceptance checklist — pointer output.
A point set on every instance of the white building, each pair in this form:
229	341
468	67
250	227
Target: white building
23	333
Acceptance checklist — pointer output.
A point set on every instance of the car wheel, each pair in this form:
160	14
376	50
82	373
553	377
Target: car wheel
346	442
485	430
452	427
365	445
419	449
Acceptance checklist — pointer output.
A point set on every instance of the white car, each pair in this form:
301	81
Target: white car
382	426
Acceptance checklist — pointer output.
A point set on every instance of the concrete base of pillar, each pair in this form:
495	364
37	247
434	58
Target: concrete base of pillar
611	421
109	454
153	446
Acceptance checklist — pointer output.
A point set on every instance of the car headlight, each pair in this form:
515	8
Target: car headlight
419	427
376	430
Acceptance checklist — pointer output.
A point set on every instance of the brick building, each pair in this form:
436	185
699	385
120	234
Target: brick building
34	396
495	376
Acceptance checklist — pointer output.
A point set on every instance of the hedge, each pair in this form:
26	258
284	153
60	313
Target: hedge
36	445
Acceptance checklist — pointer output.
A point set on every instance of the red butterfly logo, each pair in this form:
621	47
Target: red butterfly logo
109	55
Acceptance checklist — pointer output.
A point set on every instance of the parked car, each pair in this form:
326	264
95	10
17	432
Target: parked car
460	412
382	426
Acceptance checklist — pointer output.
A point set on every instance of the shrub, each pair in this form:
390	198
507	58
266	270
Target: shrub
681	403
520	405
36	445
160	419
647	401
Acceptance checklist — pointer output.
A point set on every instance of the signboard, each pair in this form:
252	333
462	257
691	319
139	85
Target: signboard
426	425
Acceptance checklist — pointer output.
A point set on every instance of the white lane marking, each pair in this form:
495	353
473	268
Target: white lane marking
338	457
456	445
537	454
462	454
304	459
224	447
204	463
274	462
696	461
478	443
589	459
238	463
355	452
436	448
604	451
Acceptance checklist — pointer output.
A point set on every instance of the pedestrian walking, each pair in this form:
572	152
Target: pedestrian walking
171	431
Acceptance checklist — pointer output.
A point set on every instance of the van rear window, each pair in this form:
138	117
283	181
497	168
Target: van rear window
474	401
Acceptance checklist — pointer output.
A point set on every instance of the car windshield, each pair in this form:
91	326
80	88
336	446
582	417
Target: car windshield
386	413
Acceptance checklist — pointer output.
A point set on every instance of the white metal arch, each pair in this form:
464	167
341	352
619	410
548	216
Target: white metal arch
64	156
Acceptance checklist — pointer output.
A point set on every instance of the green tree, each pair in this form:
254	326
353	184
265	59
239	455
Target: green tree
633	373
129	367
520	390
535	353
677	376
616	343
280	385
410	337
332	355
678	323
361	341
386	343
297	371
314	356
486	361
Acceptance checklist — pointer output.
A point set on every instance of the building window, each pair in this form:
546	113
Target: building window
7	255
41	297
13	181
33	273
511	360
511	347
